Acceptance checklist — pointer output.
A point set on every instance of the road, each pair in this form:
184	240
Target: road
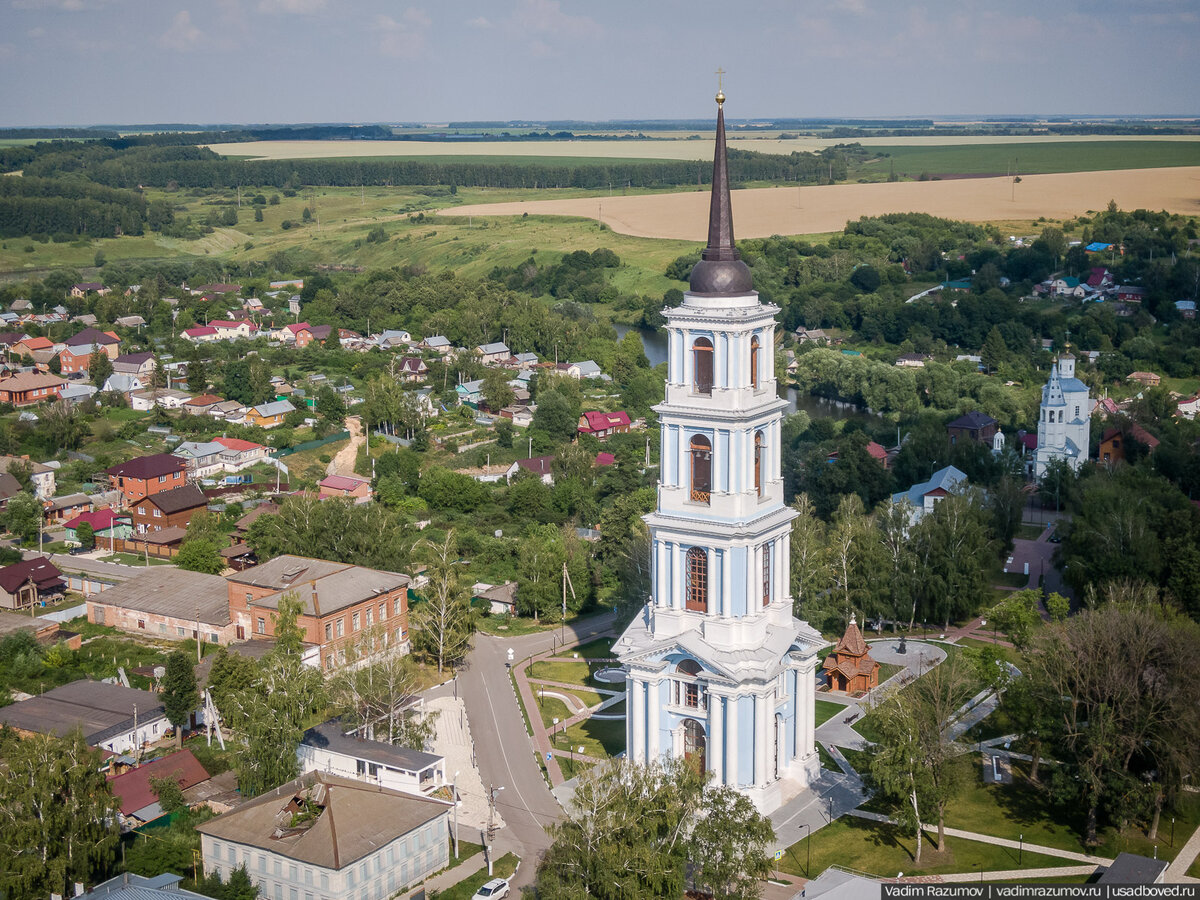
343	461
504	751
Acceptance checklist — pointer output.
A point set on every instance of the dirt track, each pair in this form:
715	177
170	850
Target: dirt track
816	210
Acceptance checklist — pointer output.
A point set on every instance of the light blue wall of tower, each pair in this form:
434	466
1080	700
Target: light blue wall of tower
745	740
738	571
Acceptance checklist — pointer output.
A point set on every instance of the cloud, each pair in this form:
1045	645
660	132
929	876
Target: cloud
402	39
479	22
182	34
547	17
296	7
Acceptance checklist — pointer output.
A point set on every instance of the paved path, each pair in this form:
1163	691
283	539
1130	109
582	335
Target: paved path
114	572
1017	874
1177	871
503	750
833	794
453	741
447	878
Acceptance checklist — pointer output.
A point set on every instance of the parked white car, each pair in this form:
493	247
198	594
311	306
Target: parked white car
493	890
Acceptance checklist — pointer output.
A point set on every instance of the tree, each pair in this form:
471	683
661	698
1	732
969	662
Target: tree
63	426
866	278
86	535
23	515
504	434
496	391
100	367
375	689
200	555
544	551
168	792
442	623
331	409
952	549
556	415
1018	617
179	692
633	829
197	370
995	350
58	817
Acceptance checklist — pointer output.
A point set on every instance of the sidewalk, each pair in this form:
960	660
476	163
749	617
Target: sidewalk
1177	870
453	741
450	877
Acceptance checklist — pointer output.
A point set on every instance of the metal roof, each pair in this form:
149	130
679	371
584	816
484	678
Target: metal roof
100	709
332	737
171	592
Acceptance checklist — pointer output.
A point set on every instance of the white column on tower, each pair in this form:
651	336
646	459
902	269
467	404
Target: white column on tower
637	744
734	731
760	739
716	735
727	583
678	578
654	723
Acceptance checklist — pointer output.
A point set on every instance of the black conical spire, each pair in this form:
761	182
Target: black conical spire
720	270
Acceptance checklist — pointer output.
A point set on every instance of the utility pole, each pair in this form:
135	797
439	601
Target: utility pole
454	797
198	657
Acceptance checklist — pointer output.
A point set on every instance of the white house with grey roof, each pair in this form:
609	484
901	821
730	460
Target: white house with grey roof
1064	420
920	499
493	353
331	749
203	458
330	837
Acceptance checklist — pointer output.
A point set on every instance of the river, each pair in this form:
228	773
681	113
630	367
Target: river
654	342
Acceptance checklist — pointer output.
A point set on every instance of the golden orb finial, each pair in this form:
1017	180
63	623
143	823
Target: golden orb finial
720	93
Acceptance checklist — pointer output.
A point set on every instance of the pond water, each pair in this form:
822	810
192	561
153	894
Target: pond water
654	342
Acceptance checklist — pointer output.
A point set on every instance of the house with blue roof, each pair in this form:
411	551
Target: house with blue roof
920	499
1098	247
1186	308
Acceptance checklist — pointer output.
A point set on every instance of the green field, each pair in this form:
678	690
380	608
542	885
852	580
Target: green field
1032	158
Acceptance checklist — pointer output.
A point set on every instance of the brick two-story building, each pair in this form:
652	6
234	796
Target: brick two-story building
168	509
145	475
345	610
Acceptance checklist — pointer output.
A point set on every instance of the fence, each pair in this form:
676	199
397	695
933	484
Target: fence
311	445
140	547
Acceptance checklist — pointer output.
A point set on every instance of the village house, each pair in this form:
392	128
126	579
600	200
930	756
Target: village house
412	369
269	415
585	369
29	345
384	841
29	388
168	603
911	361
1187	408
126	385
200	334
234	330
107	524
301	334
1145	379
145	475
344	486
330	748
973	426
920	499
85	319
129	321
200	404
345	610
81	290
202	457
501	599
168	509
438	343
228	411
65	508
602	425
41	476
1114	442
237	454
140	364
112	717
470	392
1186	308
1099	278
166	398
541	466
29	582
137	800
1128	293
9	488
493	353
91	339
219	288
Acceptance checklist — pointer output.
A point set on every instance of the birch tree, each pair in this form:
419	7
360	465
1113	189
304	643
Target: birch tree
442	624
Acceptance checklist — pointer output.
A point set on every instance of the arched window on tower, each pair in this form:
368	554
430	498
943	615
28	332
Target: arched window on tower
766	575
697	580
754	362
758	462
702	360
701	453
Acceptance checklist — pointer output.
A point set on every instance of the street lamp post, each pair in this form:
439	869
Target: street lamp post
1021	851
808	842
454	797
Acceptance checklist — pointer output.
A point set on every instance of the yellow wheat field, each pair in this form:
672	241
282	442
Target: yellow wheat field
819	209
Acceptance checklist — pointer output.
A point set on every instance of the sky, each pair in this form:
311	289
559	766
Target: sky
82	62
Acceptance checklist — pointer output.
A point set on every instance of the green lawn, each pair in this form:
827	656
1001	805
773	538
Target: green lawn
588	698
1030	532
572	768
883	850
552	708
601	648
1194	871
827	761
826	710
887	670
1009	653
466	849
600	738
997	724
132	559
465	889
568	671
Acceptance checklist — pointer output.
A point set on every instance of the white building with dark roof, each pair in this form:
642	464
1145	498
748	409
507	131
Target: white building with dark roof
331	749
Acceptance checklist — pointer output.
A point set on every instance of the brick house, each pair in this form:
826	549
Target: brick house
108	341
168	509
28	388
974	426
341	605
239	454
145	475
167	603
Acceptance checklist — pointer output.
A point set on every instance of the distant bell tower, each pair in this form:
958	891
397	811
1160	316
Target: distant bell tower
718	669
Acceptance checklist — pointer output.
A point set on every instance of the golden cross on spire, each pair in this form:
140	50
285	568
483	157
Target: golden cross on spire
720	92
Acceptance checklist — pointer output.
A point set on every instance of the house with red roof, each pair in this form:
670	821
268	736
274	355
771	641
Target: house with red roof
106	525
239	454
200	334
1099	277
28	388
604	458
344	486
234	330
541	466
1114	442
412	368
135	794
302	334
603	424
26	346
